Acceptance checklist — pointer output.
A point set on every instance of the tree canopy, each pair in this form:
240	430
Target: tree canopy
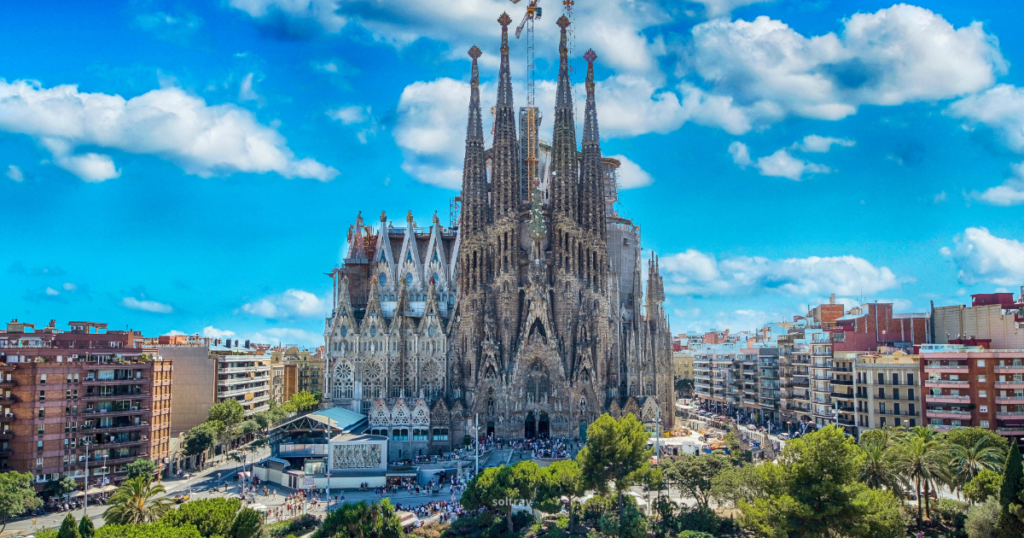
16	496
200	438
230	412
211	517
304	401
141	467
363	519
498	488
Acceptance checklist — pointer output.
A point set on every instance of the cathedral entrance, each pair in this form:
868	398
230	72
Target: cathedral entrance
490	429
531	426
543	426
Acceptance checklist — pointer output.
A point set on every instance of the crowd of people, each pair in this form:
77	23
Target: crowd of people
445	511
551	448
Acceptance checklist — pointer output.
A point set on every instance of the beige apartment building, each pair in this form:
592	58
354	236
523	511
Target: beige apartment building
682	364
193	392
243	375
888	390
303	370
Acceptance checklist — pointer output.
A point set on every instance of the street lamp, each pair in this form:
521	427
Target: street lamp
85	483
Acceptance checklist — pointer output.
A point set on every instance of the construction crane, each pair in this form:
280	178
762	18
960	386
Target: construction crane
533	13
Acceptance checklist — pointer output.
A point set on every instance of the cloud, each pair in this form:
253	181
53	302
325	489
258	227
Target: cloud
322	12
939	198
719	8
778	164
245	91
169	27
821	144
169	123
983	257
291	303
51	291
782	164
173	333
894	56
288	336
211	332
357	115
18	268
146	305
697	273
740	154
68	286
630	175
616	28
1001	108
15	173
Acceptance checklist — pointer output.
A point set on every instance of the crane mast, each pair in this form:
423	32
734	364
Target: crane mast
528	116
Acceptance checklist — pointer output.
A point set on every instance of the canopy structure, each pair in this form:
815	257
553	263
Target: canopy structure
78	494
94	491
108	488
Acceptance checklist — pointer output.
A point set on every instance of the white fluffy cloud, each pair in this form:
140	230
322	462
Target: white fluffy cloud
983	257
697	273
351	114
169	123
821	144
630	175
146	305
15	174
615	28
1002	109
778	164
719	8
213	332
322	12
291	303
897	55
287	336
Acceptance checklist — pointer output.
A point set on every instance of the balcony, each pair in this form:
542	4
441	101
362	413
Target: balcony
843	395
1010	384
1012	430
8	383
117	429
947	398
946	369
1010	369
848	382
1010	415
101	382
115	413
946	383
948	414
7	435
133	394
1010	400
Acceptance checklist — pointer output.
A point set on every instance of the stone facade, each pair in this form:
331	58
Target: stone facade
528	316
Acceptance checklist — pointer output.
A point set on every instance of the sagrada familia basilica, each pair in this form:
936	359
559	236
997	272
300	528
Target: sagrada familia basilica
526	318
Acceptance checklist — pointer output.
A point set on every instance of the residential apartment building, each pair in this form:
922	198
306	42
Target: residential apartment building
794	381
887	386
194	389
243	375
682	364
85	397
993	317
973	386
304	370
768	384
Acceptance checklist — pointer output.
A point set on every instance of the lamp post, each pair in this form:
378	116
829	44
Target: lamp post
85	483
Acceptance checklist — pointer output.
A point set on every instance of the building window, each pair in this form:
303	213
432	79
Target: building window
984	424
400	435
42	379
42	429
910	380
981	363
913	423
982	379
983	408
895	379
440	434
42	413
910	394
881	378
983	394
419	435
39	464
42	396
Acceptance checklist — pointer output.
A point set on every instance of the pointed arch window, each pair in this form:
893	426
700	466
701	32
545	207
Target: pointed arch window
373	331
383	279
408	256
408	279
344	331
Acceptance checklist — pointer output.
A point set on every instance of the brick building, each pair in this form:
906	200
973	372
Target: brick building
81	394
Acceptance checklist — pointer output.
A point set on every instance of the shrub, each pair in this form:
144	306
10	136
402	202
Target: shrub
951	511
298	526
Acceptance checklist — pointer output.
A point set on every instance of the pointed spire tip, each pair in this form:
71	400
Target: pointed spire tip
474	52
590	56
563	22
504	20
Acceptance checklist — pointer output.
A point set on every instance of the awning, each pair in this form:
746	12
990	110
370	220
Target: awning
93	491
78	494
109	488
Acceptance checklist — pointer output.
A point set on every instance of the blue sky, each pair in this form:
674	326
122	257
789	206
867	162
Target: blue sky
194	166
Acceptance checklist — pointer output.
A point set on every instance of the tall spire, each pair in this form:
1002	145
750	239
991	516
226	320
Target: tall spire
592	174
504	76
505	153
564	168
475	210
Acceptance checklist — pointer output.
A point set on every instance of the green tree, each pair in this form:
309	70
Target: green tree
85	528
16	496
362	520
230	412
879	469
695	534
147	530
886	437
966	462
616	452
1009	492
735	484
304	401
68	528
814	491
969	436
496	488
249	427
982	518
263	419
211	517
248	524
138	500
141	467
58	488
199	439
921	462
693	475
560	479
985	484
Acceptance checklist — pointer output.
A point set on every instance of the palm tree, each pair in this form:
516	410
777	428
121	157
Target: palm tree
885	436
966	462
135	502
922	462
879	467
